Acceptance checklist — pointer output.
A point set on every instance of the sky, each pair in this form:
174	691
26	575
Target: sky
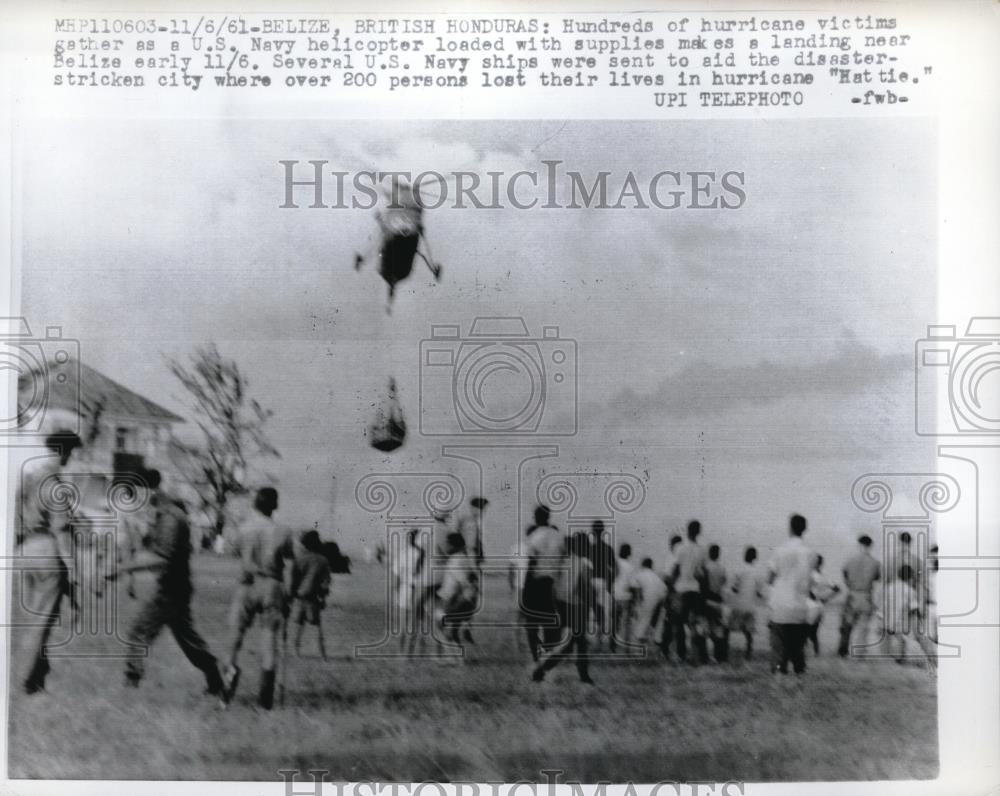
739	365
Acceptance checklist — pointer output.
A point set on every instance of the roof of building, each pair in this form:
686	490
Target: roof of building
97	390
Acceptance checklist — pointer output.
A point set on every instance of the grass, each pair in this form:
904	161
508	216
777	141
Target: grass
387	719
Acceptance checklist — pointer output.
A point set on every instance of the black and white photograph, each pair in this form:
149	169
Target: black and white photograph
353	448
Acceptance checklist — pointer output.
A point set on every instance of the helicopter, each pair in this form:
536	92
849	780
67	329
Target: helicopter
401	231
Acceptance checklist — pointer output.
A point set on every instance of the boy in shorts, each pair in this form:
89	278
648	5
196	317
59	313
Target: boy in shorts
310	590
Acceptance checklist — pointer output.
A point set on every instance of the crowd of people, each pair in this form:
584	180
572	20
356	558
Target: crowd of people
572	591
575	592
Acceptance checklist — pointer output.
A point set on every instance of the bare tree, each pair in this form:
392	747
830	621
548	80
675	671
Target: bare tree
232	427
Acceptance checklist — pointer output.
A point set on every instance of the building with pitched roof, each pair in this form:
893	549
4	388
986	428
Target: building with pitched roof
121	429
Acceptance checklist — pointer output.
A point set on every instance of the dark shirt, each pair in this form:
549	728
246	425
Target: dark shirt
170	538
312	576
602	557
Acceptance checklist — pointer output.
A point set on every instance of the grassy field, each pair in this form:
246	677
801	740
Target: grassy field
388	719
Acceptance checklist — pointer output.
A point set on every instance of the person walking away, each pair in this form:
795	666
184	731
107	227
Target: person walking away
545	550
310	588
715	609
604	567
624	595
746	597
927	635
434	561
575	601
406	573
671	619
41	527
861	571
688	575
470	525
267	566
167	551
458	597
790	574
821	591
902	616
651	595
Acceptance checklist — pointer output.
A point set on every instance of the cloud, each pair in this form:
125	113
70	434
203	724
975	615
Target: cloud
705	389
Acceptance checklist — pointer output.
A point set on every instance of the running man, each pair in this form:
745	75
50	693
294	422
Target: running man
311	588
267	558
602	560
688	577
821	591
861	571
671	622
406	574
651	596
575	602
167	551
545	550
470	525
624	595
715	611
41	530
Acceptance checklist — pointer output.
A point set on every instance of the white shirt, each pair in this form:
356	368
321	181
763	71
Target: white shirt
622	579
792	568
691	558
748	588
406	570
650	586
546	548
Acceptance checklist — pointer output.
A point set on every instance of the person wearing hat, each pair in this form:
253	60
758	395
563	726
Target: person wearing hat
167	552
42	533
861	571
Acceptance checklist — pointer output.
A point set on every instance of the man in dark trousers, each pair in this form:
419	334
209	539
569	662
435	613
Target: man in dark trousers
790	576
268	562
575	601
861	571
602	559
167	551
41	529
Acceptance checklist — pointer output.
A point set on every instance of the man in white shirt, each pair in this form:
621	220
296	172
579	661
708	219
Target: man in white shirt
267	557
407	571
624	596
671	624
790	575
689	575
651	594
745	596
546	552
